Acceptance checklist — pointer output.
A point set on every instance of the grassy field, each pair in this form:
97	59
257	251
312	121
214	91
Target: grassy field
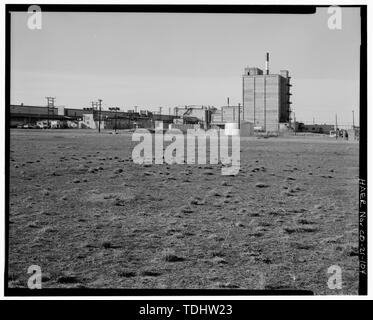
91	218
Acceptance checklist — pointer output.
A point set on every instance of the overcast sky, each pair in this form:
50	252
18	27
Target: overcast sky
152	60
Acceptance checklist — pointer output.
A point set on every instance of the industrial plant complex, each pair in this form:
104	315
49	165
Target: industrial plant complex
265	109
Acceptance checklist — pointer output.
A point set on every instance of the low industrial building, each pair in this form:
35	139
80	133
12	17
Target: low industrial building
61	117
226	114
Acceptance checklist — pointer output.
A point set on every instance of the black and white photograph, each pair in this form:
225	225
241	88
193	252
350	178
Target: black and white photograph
177	150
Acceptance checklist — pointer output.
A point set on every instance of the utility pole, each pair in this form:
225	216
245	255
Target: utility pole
265	103
115	109
239	116
336	128
99	115
295	125
353	119
228	101
116	117
50	104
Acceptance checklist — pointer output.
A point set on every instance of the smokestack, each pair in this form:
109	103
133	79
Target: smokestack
267	63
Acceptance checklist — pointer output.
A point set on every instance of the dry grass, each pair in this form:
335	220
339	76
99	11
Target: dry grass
125	225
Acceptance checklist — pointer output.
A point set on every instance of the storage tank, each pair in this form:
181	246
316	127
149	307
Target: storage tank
231	128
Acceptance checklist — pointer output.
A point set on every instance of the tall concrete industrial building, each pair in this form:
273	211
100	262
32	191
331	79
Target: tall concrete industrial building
266	98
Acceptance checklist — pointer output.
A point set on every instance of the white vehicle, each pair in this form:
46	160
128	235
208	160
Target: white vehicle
42	124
